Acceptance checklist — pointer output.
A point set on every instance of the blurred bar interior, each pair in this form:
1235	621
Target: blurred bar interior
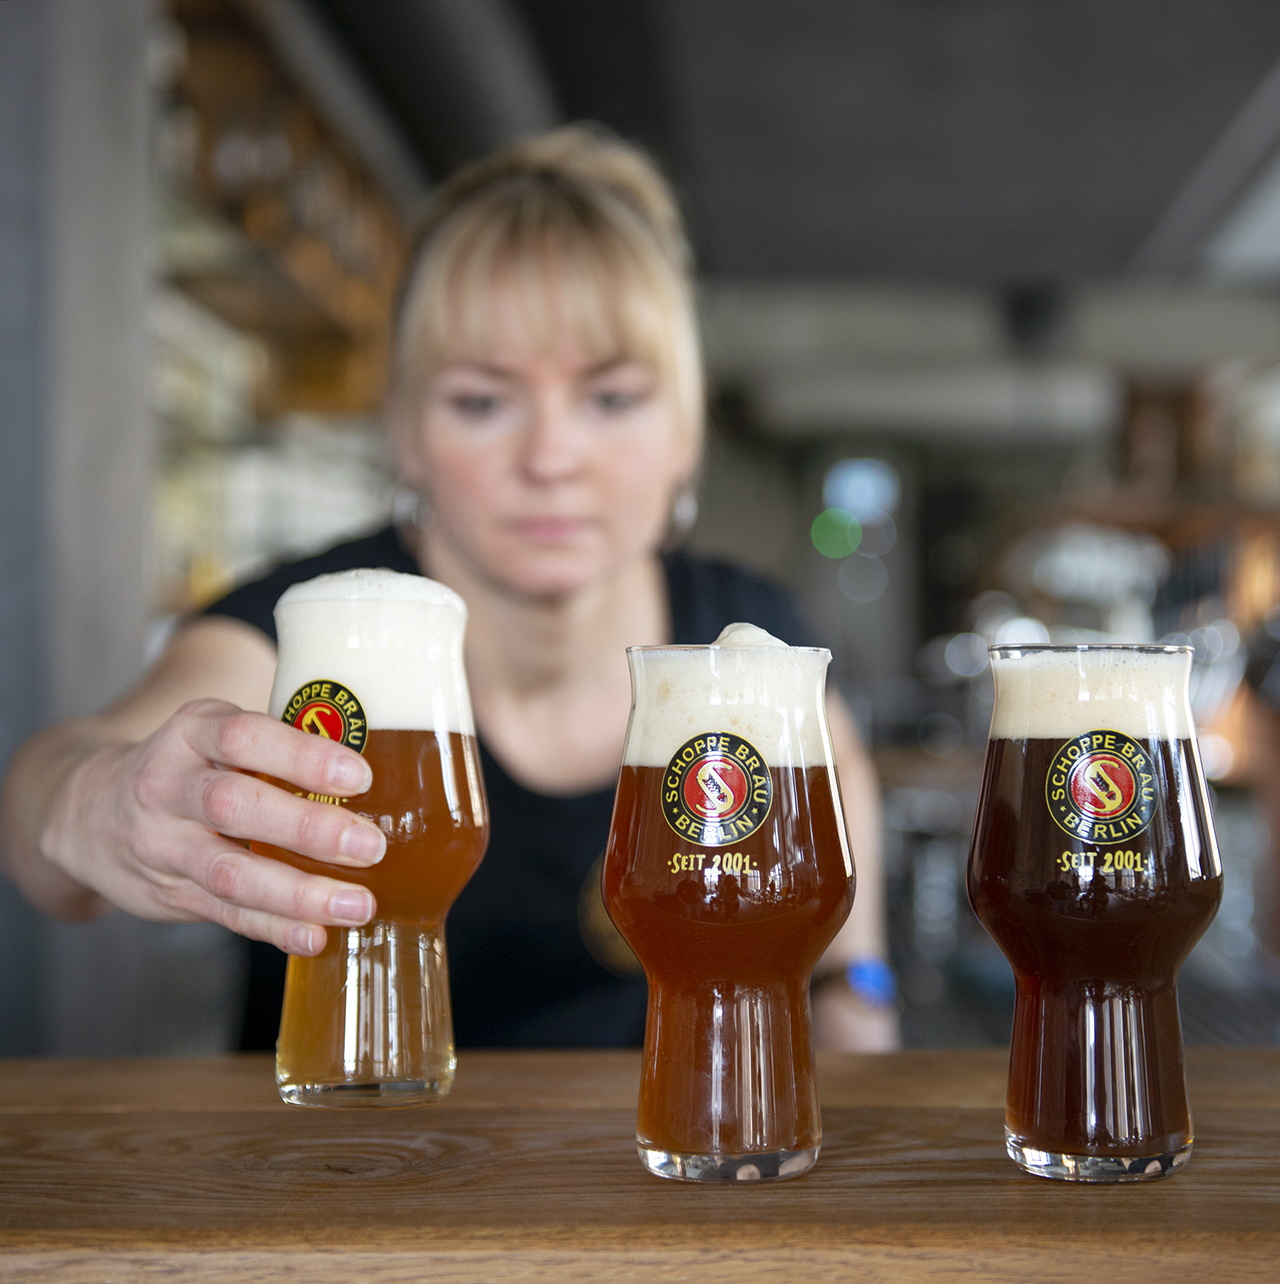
991	314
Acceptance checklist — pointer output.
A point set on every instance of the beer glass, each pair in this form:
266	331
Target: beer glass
1094	867
728	872
374	659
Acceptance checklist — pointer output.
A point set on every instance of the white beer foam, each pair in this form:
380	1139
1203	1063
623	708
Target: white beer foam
369	584
744	635
1054	695
748	683
395	641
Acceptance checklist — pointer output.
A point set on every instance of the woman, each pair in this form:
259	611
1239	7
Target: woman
546	415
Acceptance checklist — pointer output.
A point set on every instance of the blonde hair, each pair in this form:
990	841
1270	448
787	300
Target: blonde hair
585	233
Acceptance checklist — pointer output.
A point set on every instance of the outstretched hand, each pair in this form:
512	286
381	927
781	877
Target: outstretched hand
159	827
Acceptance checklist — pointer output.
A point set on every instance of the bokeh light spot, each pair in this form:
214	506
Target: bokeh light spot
836	533
862	579
862	487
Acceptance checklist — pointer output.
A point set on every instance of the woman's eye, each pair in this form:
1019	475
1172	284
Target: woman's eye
615	401
476	405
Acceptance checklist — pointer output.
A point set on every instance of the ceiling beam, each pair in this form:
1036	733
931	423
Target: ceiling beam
822	359
749	326
1053	401
352	107
1215	186
463	75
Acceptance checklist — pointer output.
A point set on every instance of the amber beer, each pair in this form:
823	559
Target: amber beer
374	659
728	873
1094	867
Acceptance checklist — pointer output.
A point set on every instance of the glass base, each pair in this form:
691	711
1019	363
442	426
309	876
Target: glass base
773	1165
366	1022
1096	1168
358	1096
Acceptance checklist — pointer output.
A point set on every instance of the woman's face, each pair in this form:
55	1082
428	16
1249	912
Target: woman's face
546	473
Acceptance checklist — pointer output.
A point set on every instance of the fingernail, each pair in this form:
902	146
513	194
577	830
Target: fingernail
349	773
364	843
305	940
351	905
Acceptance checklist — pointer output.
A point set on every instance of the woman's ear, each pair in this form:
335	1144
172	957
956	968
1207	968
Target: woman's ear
405	440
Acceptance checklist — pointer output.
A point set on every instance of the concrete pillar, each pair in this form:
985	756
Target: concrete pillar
22	324
74	450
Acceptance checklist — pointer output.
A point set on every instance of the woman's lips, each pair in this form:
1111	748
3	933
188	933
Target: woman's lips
550	530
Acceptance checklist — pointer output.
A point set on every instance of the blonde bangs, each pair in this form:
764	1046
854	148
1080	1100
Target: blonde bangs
556	271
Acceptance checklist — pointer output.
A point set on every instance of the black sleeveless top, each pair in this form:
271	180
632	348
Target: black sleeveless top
533	958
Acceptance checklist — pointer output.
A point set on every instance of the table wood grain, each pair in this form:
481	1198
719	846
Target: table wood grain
116	1172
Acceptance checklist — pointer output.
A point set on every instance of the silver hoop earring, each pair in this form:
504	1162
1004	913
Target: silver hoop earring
684	513
410	510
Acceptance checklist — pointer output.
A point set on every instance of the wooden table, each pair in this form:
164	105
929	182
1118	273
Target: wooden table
120	1172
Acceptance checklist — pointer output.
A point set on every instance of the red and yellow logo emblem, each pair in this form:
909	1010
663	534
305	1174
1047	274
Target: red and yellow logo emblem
1101	787
326	708
717	789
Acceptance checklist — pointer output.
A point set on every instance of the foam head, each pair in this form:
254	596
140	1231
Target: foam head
747	682
746	635
394	641
1055	693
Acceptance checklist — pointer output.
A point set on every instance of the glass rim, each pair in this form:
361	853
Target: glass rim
1075	648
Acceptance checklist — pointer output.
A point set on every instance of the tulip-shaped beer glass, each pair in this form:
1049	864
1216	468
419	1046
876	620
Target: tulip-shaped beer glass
374	659
728	873
1094	868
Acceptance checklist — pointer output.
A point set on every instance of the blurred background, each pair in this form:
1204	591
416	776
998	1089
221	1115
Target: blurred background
991	297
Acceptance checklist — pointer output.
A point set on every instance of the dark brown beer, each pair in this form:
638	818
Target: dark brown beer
1096	933
728	936
1093	867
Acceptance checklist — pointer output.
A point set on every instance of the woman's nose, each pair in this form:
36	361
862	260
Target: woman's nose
554	443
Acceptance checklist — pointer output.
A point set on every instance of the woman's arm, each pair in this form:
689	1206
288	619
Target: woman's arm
147	805
843	1019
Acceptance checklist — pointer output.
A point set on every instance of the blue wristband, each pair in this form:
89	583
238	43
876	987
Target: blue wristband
871	979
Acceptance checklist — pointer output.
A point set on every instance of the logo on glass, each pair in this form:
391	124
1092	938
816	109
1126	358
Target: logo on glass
328	709
1101	787
716	789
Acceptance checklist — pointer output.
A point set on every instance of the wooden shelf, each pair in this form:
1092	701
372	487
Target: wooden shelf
320	248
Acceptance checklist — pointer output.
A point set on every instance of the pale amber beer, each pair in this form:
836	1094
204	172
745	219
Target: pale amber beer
728	873
374	659
1094	868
